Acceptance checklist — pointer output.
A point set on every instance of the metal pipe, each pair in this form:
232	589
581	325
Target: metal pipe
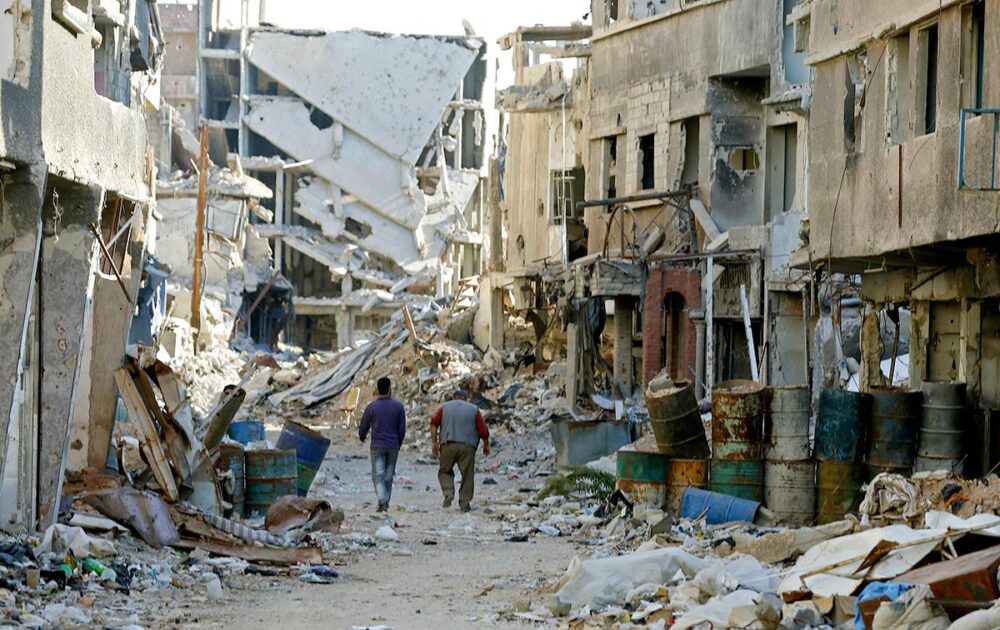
699	357
651	196
710	326
755	373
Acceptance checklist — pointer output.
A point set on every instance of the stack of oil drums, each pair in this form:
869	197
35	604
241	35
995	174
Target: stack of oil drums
737	467
789	469
658	471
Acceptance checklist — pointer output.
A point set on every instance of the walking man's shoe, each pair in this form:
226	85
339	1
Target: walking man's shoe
447	503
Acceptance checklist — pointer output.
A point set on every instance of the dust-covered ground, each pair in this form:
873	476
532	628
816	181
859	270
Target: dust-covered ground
448	569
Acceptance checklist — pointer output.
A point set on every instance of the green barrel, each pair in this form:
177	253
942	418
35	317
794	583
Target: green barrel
838	490
738	478
892	434
738	421
270	475
642	473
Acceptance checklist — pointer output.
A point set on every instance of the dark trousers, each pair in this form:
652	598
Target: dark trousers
465	456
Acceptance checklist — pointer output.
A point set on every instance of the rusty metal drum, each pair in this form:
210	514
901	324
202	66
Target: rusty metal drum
673	412
892	434
642	472
840	425
942	428
790	490
738	478
270	475
681	475
737	421
838	490
786	426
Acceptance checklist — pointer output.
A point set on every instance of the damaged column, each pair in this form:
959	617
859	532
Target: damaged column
65	283
623	322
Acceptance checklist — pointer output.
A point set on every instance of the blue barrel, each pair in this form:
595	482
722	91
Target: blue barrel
310	448
270	475
840	426
721	508
246	432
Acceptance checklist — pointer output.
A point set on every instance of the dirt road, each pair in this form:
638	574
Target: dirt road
468	579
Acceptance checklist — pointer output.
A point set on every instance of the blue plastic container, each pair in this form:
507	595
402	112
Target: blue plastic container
246	432
310	448
722	508
840	426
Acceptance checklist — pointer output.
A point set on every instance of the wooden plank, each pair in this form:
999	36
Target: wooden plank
148	437
253	553
705	220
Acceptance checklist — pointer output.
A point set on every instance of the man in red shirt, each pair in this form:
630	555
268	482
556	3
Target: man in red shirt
456	430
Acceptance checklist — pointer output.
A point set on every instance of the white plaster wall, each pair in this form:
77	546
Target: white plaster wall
6	40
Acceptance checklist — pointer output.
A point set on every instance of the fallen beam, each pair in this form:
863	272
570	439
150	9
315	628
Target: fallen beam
271	555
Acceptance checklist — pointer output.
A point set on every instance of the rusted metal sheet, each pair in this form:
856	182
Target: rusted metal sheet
942	428
790	490
681	475
892	434
144	512
737	420
970	578
676	421
786	425
838	490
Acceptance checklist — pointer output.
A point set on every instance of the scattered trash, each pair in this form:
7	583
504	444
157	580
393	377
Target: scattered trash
387	534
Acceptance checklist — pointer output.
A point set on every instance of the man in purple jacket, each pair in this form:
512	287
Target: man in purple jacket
385	418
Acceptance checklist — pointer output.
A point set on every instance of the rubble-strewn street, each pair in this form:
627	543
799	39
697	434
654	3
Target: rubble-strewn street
576	314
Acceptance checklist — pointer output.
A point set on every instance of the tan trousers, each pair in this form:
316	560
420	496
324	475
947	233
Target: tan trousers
465	456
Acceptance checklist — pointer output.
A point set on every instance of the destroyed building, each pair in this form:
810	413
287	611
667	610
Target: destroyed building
664	171
903	184
375	166
76	196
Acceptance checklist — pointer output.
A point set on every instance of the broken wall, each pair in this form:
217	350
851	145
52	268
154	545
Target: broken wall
870	214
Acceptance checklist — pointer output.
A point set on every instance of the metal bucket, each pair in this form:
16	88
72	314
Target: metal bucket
786	426
642	473
681	475
892	434
942	428
310	448
717	508
838	490
231	460
676	421
790	490
840	425
270	475
737	420
738	478
247	431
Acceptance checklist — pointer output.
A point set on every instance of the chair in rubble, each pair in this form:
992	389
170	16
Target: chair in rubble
347	410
